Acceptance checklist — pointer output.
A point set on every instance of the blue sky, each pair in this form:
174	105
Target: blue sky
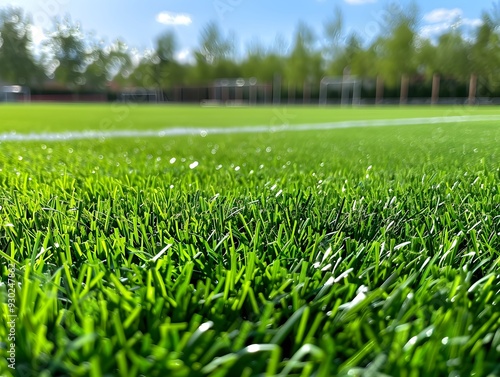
139	22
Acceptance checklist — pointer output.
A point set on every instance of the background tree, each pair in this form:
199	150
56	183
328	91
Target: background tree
17	63
165	71
349	56
69	54
304	63
263	63
449	57
333	31
119	62
485	53
252	64
215	57
142	75
214	46
397	46
341	51
107	63
96	70
77	60
274	63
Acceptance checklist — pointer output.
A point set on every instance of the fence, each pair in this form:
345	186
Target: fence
343	91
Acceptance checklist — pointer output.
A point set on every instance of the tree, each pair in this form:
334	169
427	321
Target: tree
214	58
96	71
396	48
448	58
69	54
333	30
143	76
214	46
343	51
485	52
119	63
351	56
304	63
166	69
251	66
107	62
262	63
159	68
17	63
166	46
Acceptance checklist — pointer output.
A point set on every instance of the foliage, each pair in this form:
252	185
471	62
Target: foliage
107	63
17	63
304	62
69	54
397	48
487	45
79	60
450	57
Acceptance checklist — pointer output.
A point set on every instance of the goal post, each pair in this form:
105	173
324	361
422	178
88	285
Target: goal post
140	96
350	87
237	90
15	93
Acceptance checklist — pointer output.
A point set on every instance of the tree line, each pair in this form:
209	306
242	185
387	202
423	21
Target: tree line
396	55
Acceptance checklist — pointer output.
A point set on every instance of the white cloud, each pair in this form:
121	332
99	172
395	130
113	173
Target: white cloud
429	31
441	20
168	18
473	22
359	2
443	15
38	36
184	56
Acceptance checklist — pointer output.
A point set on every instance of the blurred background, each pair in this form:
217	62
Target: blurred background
251	52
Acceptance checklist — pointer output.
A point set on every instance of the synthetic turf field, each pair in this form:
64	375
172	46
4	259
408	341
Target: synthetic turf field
324	252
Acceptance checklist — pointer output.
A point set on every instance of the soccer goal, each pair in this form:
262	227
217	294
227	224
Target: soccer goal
15	93
236	90
140	96
349	88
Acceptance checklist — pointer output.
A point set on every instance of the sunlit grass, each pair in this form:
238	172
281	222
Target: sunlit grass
370	250
77	117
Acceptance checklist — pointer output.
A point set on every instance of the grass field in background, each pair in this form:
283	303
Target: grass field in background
77	117
364	251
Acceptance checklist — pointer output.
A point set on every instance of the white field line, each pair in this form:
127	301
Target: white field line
177	131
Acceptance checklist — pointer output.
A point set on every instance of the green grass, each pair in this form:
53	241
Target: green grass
366	251
71	117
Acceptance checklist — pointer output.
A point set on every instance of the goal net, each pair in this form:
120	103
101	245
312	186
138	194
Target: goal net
15	93
234	91
347	89
140	96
